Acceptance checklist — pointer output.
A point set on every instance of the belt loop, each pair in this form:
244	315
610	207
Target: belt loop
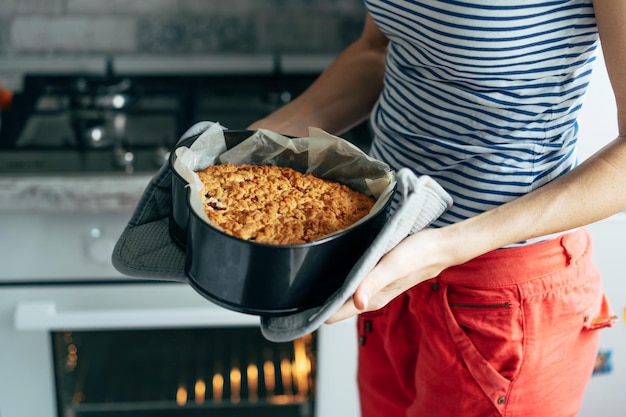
574	244
566	252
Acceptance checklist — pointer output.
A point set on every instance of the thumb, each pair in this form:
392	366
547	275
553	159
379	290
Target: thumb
373	283
360	299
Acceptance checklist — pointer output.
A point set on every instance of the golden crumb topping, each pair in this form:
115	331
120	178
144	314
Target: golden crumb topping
278	205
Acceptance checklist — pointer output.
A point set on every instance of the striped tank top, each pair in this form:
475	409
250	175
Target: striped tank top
483	95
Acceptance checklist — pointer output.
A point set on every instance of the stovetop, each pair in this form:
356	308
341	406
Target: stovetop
75	124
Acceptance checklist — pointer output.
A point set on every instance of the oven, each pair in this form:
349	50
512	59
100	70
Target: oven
157	349
79	339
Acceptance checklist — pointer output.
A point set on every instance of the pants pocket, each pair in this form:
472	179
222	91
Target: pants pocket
488	323
487	329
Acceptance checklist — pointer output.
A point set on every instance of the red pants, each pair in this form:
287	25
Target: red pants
510	333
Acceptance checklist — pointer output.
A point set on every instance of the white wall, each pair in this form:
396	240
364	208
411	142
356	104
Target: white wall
598	119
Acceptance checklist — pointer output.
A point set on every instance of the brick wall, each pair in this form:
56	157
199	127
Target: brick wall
177	26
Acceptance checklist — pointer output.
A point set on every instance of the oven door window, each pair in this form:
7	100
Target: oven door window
183	372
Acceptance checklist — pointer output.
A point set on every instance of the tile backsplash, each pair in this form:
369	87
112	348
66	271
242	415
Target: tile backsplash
177	26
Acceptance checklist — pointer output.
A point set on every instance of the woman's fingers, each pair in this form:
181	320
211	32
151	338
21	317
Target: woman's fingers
360	303
346	311
400	269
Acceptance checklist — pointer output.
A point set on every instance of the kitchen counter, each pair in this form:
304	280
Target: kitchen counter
63	228
92	193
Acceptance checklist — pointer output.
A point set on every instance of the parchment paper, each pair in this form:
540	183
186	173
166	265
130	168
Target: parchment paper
321	153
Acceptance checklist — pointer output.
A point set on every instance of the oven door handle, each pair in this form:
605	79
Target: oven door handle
44	315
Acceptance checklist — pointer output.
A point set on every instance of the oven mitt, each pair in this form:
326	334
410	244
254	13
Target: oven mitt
145	248
422	201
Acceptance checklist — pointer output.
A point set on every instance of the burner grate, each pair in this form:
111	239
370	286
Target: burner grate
77	124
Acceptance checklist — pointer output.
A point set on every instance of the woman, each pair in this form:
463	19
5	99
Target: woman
494	311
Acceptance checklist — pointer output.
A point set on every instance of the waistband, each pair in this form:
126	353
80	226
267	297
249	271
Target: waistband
515	265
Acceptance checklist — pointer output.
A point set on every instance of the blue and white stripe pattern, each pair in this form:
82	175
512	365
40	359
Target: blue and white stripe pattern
482	95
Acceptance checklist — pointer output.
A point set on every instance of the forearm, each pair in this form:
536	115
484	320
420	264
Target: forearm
592	191
342	96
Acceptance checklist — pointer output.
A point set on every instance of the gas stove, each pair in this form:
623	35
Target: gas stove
60	124
78	124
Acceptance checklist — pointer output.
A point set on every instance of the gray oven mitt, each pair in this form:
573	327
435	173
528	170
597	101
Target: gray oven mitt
145	248
422	201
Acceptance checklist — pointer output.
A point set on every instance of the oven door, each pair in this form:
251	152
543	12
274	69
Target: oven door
160	349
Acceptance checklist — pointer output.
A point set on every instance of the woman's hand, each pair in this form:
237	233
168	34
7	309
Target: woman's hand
417	258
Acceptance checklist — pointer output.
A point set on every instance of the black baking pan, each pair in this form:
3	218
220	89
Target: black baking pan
257	278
